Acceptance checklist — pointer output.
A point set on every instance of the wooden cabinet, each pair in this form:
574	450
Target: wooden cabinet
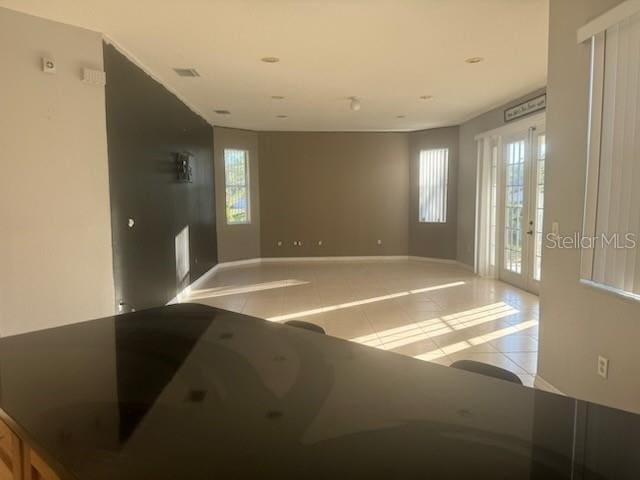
10	454
35	468
18	461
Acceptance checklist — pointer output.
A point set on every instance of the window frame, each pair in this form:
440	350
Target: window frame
445	204
246	186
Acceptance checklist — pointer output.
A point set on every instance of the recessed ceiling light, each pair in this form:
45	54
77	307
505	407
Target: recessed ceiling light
270	59
281	116
400	116
223	112
277	97
426	97
474	60
186	72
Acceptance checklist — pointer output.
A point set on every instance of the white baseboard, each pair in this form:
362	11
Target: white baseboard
466	267
335	259
541	384
449	261
211	273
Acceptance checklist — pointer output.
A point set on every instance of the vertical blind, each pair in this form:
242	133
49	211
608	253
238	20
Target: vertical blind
236	178
433	178
614	167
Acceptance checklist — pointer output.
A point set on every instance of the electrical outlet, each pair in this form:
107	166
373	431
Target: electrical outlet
319	243
279	243
300	243
295	243
379	242
603	366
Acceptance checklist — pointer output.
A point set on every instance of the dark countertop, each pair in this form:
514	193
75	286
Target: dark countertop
191	392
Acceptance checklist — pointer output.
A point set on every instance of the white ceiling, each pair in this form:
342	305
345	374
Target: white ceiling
386	52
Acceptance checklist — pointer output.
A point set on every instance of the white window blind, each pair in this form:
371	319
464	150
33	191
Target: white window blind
612	203
433	178
236	178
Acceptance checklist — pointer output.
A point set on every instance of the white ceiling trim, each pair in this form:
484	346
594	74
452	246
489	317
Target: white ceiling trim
608	19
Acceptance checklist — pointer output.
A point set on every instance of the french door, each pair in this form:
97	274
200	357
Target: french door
521	207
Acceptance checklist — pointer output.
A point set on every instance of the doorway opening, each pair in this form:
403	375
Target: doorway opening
510	212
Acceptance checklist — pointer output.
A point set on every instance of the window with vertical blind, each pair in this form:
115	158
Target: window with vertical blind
612	204
433	178
236	178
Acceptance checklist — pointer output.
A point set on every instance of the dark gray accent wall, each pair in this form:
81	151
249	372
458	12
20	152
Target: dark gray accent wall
146	126
437	240
348	190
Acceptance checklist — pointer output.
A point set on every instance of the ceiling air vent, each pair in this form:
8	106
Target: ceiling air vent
186	72
223	112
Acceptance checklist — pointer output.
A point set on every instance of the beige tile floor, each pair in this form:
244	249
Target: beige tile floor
432	311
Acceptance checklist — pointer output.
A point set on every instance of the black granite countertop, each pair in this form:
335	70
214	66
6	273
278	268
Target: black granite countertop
191	392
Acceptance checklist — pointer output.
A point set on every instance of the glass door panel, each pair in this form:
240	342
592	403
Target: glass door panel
514	206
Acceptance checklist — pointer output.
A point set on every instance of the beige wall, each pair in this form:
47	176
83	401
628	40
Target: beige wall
237	242
347	190
467	172
578	323
55	246
437	240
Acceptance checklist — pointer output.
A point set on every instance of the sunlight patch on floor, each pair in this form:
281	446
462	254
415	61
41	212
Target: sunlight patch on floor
238	289
435	327
475	341
340	306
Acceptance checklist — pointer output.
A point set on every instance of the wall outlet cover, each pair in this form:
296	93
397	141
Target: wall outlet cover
603	366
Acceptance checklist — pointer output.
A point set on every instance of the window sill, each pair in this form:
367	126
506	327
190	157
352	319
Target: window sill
615	292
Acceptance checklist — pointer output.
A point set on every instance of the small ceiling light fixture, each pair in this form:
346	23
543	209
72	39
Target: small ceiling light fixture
270	59
355	104
474	60
277	97
223	112
426	97
281	116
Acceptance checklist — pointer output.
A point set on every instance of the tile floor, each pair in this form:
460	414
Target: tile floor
432	311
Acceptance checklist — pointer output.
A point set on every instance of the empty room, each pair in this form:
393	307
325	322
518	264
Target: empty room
319	239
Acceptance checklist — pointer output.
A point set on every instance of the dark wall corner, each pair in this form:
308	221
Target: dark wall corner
173	239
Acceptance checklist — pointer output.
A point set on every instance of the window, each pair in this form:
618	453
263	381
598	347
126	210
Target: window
514	166
611	221
434	175
236	182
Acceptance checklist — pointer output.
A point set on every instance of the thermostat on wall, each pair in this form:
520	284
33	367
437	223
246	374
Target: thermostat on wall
48	65
94	77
